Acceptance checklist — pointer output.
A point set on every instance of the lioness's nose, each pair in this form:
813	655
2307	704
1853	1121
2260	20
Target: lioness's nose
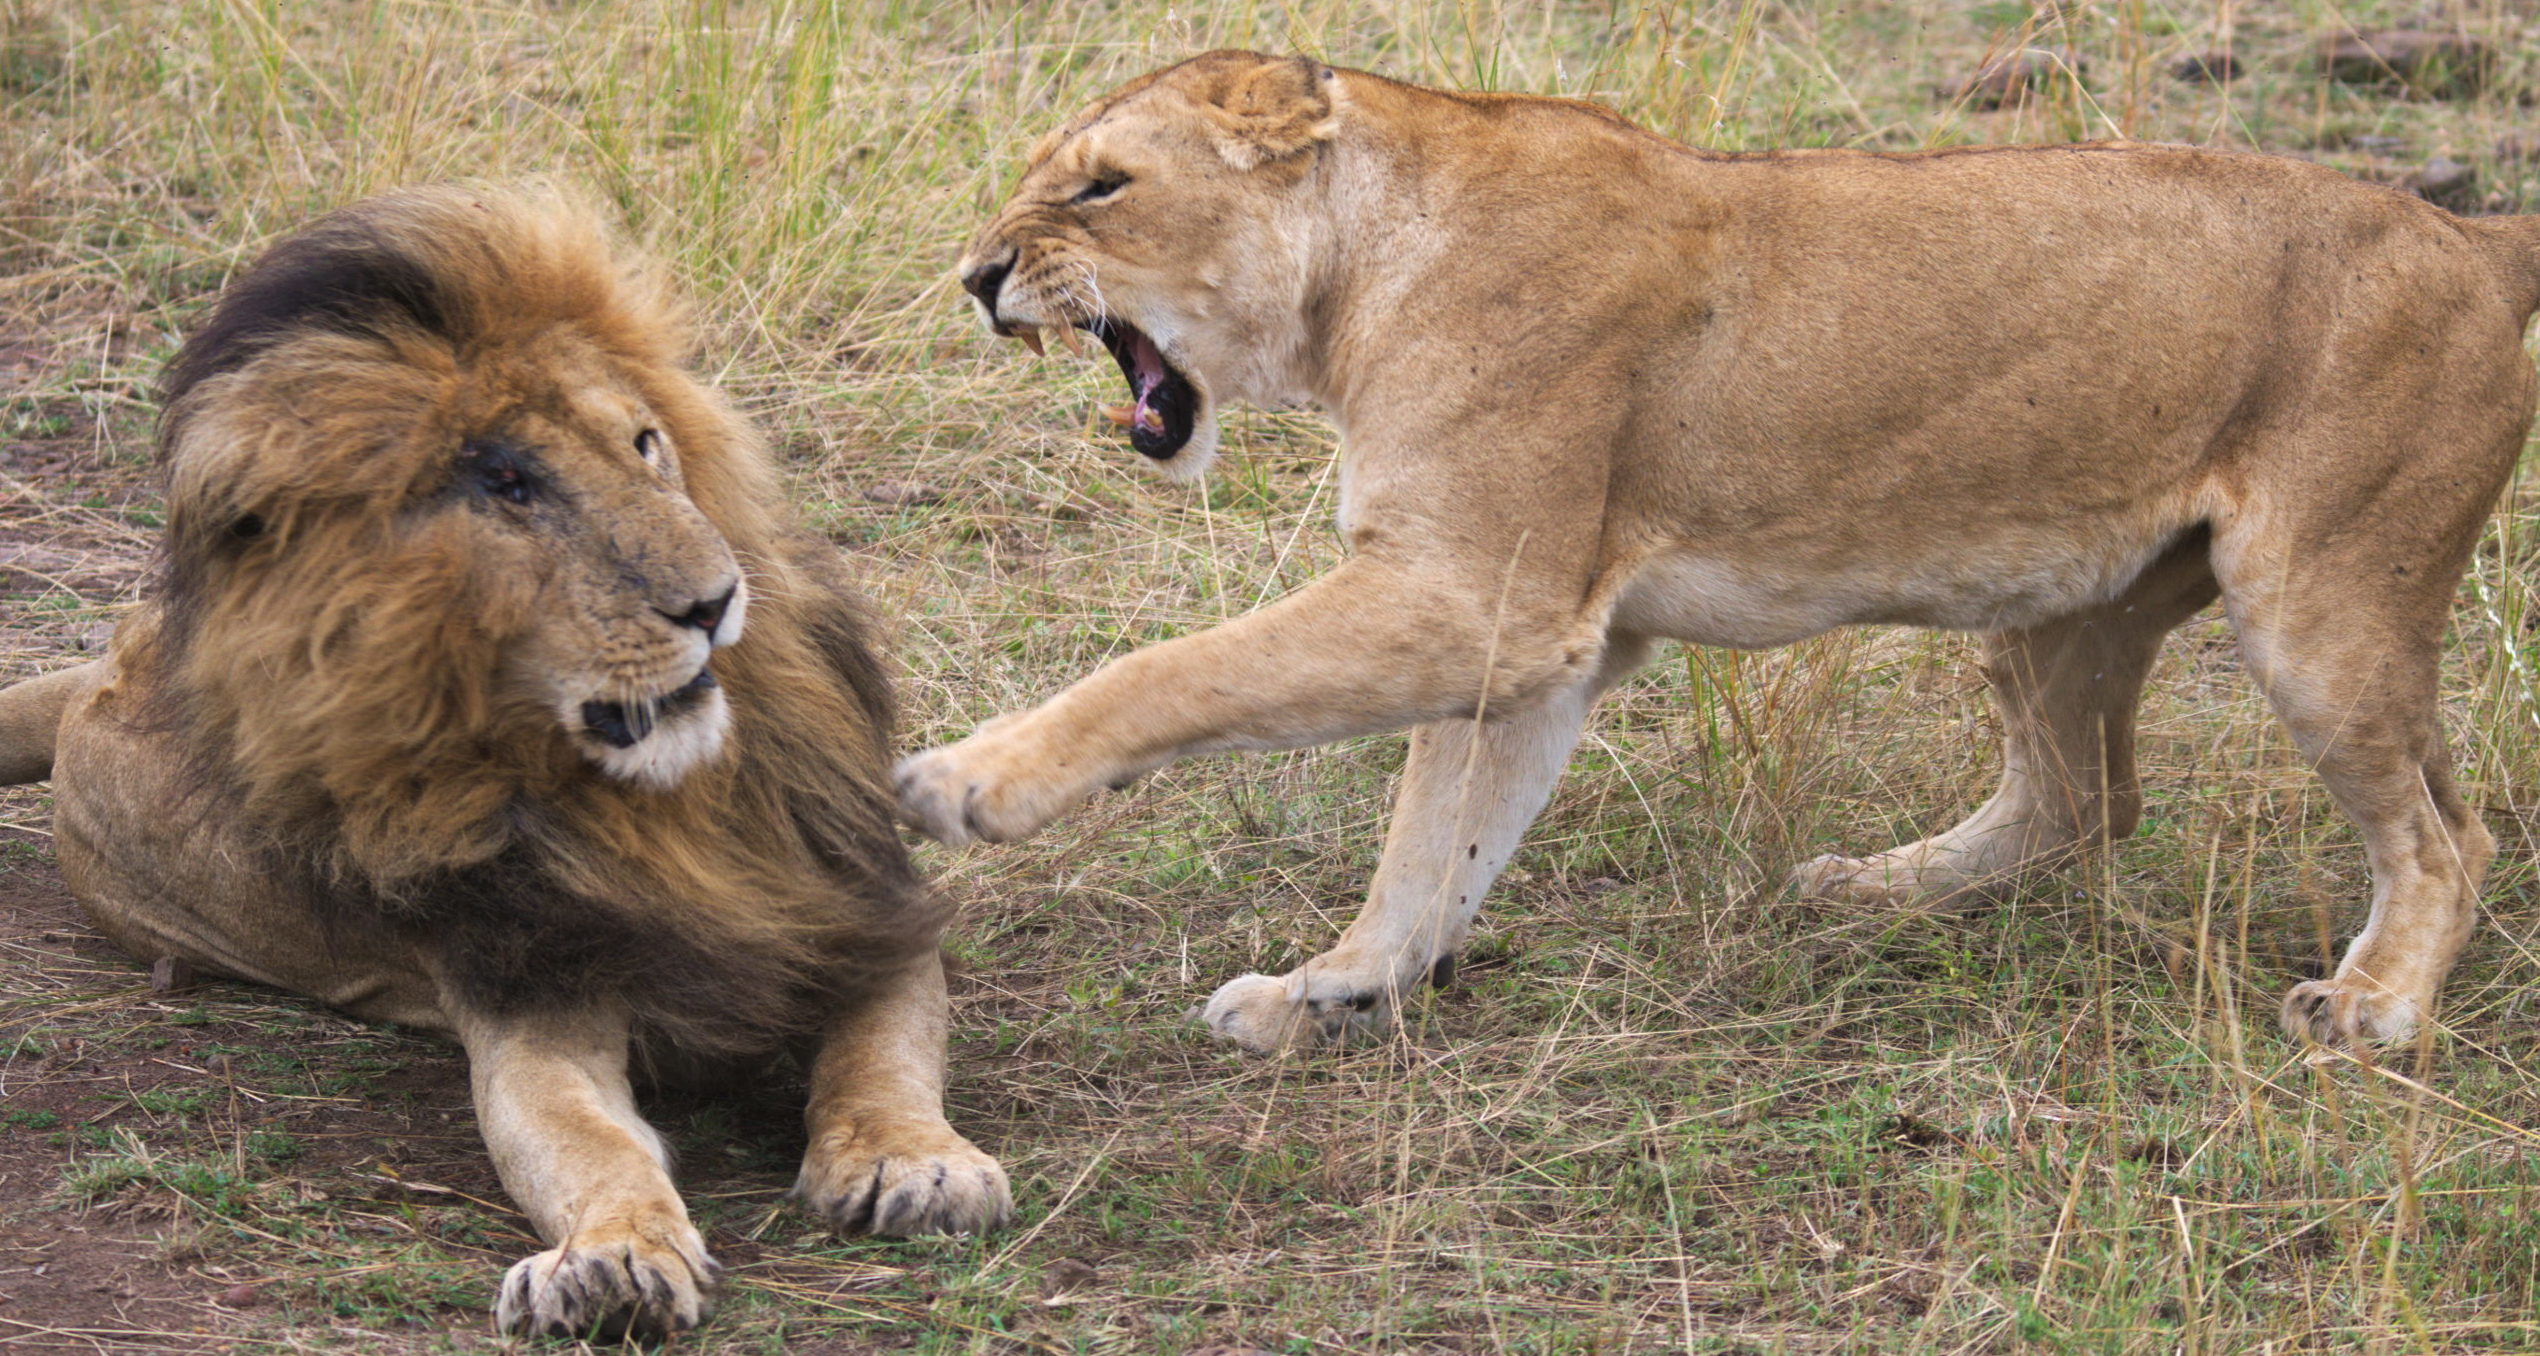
706	615
982	280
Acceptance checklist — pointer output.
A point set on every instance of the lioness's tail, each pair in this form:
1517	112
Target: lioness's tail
2514	243
31	719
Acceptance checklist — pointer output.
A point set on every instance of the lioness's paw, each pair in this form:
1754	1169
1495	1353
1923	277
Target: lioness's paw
2344	1014
612	1283
1274	1013
987	787
910	1180
1852	880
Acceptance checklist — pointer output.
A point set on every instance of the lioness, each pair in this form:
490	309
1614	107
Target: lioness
444	712
1596	388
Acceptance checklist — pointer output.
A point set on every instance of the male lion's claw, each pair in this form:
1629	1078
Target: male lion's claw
631	1286
920	1182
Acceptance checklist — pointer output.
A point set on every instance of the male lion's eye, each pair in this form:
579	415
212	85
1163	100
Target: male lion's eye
1102	187
501	471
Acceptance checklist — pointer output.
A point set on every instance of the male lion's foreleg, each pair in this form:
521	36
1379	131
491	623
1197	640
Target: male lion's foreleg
553	1101
2067	691
882	1158
1469	789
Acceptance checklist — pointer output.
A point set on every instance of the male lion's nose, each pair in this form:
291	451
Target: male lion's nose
982	280
707	615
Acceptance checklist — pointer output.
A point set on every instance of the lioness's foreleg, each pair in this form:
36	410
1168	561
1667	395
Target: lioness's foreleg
1469	789
557	1113
882	1158
2067	691
1367	648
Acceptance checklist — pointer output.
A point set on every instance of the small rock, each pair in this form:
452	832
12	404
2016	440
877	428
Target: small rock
2437	65
2445	183
2008	79
2518	148
902	493
2206	68
1064	1278
171	974
241	1296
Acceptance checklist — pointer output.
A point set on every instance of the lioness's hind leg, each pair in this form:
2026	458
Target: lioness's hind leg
1469	789
2067	691
2344	636
882	1158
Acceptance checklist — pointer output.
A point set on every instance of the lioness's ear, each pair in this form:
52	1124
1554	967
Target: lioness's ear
1271	110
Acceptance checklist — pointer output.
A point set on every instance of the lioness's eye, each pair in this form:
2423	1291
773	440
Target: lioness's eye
1103	186
648	444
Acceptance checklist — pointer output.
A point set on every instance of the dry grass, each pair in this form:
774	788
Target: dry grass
1666	1108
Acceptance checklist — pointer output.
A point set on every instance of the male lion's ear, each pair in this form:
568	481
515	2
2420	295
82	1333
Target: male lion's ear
1270	110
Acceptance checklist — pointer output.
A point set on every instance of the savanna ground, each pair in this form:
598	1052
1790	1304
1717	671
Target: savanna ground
1664	1107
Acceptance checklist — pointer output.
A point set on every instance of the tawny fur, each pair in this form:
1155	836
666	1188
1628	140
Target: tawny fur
439	488
1597	389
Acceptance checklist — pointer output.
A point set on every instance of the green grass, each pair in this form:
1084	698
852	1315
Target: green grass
1665	1107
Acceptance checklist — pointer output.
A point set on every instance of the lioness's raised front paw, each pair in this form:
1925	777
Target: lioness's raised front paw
1299	1011
2344	1014
617	1281
902	1180
995	786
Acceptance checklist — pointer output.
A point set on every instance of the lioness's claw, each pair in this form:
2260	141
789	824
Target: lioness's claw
1270	1014
610	1288
2346	1014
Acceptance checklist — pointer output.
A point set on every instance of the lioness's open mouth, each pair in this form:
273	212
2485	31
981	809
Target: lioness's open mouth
1163	403
623	725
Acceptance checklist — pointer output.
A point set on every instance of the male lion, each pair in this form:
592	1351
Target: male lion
444	713
1597	388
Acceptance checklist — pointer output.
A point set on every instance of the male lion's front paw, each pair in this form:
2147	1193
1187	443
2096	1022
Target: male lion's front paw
994	786
1273	1013
2346	1014
611	1283
910	1179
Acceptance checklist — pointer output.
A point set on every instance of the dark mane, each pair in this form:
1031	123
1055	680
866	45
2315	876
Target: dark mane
345	275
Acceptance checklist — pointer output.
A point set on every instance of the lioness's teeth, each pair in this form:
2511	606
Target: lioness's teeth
1149	420
1032	340
1067	337
1122	415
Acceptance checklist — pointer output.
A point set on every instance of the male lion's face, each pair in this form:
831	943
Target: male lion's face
573	479
1168	222
493	548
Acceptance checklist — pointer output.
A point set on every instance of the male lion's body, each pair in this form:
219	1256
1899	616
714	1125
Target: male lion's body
445	711
1596	389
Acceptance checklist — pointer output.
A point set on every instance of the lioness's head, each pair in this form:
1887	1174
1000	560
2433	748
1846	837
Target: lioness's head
1166	220
441	499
